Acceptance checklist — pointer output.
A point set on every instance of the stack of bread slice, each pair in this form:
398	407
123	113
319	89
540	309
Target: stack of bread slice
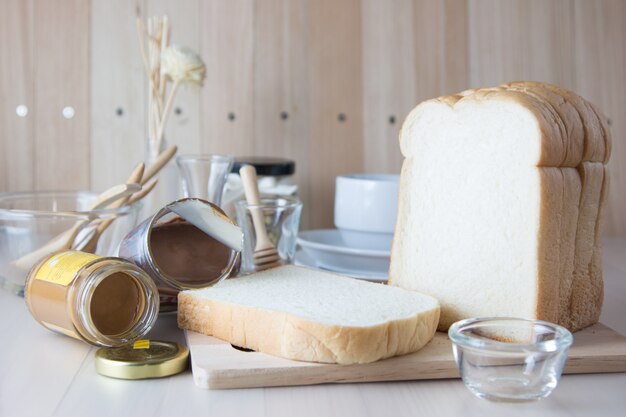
501	201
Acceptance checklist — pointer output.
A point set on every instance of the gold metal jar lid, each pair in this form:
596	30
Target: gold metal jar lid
142	359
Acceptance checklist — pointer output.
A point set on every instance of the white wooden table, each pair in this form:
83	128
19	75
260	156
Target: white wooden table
44	374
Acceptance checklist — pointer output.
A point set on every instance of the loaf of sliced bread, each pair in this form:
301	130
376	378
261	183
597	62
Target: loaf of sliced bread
501	197
308	315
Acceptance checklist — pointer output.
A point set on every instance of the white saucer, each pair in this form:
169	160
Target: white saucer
303	259
347	241
346	251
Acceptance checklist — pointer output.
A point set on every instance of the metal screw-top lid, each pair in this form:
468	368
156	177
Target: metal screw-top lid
142	359
269	166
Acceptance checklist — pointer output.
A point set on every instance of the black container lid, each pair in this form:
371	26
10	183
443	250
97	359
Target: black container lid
269	166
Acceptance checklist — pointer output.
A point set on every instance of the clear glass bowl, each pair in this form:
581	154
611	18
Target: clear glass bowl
28	220
509	359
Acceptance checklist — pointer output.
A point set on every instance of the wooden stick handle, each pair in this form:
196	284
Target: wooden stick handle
134	178
139	175
251	189
164	158
250	186
114	194
132	200
92	244
144	191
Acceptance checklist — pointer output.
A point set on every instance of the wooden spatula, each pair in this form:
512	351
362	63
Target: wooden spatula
265	254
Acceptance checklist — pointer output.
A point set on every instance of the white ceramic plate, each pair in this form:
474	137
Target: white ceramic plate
340	250
303	259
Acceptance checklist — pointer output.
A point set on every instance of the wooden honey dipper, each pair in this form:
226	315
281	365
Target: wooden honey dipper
265	255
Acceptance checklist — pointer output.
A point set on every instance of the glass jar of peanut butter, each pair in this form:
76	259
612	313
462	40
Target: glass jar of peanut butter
99	300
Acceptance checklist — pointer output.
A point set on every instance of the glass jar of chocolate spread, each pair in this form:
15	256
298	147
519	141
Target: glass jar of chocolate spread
99	300
189	243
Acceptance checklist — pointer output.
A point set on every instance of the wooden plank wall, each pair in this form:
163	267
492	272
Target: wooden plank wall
324	82
17	98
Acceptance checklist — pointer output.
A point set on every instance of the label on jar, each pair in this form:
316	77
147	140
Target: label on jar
62	268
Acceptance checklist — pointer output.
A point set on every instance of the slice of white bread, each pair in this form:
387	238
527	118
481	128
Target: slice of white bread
309	315
596	295
582	311
597	282
488	218
571	204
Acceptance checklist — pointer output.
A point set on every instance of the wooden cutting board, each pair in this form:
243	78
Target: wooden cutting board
218	365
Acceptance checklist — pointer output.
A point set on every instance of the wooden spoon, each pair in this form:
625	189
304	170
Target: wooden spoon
65	239
163	158
91	239
92	244
265	254
144	179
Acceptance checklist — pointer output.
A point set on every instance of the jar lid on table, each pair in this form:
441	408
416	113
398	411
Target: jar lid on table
266	166
142	359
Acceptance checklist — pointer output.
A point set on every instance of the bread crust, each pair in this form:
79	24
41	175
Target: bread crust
571	199
592	175
573	134
594	144
606	131
596	296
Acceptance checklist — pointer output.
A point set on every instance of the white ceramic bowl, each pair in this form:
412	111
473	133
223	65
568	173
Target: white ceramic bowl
366	202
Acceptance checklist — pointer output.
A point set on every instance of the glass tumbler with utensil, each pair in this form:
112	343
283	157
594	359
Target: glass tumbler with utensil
281	220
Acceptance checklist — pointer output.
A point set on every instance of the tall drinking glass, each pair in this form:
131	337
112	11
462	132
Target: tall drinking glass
204	176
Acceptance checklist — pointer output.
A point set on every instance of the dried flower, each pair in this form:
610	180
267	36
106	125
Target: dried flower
182	64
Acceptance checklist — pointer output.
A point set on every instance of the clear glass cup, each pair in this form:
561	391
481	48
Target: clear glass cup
29	220
204	176
510	359
282	220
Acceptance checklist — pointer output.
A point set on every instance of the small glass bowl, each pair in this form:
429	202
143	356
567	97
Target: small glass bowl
509	359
